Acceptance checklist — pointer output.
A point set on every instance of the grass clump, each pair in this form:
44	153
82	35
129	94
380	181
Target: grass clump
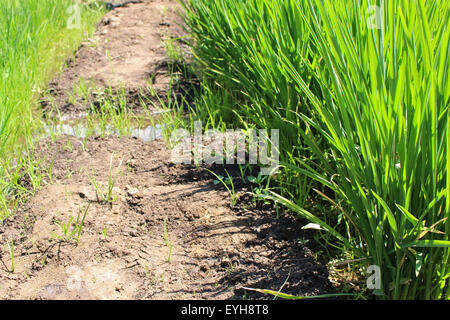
71	230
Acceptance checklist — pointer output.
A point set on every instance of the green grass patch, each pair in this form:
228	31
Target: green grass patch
36	39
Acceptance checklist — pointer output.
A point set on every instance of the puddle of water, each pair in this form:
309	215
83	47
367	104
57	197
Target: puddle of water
82	115
80	130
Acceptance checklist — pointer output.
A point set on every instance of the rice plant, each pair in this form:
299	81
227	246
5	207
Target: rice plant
106	196
239	48
71	230
167	241
361	95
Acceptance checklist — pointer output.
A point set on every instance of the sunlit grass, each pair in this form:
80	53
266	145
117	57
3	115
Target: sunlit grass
35	40
361	98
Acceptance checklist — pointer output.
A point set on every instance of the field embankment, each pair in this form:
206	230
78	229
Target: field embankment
108	217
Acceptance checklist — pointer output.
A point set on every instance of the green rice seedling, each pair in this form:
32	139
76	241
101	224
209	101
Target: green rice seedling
105	233
11	255
49	171
167	241
243	170
31	30
65	229
227	181
260	186
82	90
277	294
244	81
107	196
172	49
110	61
34	43
111	180
102	195
71	230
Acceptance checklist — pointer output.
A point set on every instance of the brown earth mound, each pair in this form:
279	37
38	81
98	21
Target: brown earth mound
170	233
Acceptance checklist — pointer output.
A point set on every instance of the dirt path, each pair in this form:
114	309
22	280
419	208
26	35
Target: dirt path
126	51
169	233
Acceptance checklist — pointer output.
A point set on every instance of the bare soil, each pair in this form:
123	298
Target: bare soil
122	253
168	232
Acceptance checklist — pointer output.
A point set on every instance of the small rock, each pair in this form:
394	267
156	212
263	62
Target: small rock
106	21
135	193
87	193
116	190
204	268
132	163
